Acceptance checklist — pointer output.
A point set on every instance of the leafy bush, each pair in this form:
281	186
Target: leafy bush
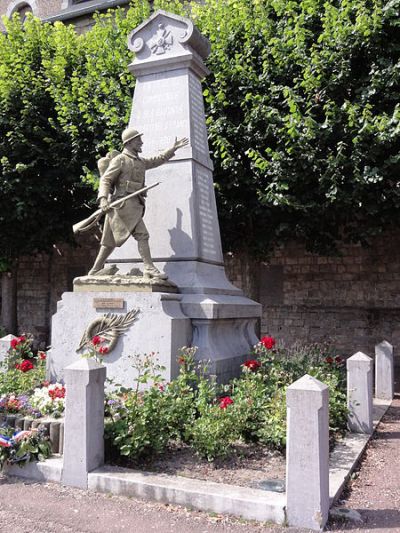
211	418
302	109
22	370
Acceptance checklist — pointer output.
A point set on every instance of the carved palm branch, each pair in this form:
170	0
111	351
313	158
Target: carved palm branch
109	326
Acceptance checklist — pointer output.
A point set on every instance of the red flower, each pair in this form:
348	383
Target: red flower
22	338
96	340
268	342
58	392
224	402
338	360
252	364
42	355
25	366
181	360
161	388
329	360
103	349
14	343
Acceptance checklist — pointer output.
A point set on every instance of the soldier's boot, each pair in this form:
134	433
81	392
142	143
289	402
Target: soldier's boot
98	268
149	270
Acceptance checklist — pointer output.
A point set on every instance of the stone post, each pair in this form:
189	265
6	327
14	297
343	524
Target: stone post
307	454
84	421
359	393
384	371
5	345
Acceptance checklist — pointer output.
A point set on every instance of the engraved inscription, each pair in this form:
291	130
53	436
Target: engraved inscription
207	222
108	303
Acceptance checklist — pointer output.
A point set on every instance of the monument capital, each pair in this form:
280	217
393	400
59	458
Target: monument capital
166	41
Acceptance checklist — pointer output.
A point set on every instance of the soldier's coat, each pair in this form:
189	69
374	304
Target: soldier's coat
125	175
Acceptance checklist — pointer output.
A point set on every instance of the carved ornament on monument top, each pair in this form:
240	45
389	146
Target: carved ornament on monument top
165	37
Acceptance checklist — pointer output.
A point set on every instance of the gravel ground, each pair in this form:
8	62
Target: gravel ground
375	489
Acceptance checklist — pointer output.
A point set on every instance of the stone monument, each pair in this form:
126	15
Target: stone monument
196	305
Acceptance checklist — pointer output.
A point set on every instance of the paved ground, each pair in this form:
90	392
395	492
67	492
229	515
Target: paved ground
47	508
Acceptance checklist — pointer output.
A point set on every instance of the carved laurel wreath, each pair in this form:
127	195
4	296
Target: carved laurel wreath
109	327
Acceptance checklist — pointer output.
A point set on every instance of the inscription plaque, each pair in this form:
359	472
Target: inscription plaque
108	303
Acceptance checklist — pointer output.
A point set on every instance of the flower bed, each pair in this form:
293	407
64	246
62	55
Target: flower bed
25	398
213	421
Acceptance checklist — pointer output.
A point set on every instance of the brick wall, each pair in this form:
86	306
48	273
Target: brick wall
352	300
42	279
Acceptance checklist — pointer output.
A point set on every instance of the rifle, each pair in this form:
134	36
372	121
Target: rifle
88	223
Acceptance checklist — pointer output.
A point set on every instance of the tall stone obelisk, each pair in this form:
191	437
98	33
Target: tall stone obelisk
181	212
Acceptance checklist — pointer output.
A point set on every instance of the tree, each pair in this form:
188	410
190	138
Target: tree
302	110
303	115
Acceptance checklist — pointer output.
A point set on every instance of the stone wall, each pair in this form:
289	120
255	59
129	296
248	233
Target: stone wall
352	300
42	279
40	8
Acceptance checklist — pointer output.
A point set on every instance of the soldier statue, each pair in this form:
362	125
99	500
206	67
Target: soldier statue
122	174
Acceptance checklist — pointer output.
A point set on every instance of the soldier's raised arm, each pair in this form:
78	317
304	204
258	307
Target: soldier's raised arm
156	161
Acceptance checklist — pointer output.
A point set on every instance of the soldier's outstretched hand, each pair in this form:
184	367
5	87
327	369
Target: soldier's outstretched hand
180	143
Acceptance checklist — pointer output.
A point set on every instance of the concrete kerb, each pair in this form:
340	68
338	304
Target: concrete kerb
243	502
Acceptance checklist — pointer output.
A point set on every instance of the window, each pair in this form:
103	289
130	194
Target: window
23	8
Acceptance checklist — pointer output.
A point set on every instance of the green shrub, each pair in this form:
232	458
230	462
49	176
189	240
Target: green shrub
22	370
211	418
214	432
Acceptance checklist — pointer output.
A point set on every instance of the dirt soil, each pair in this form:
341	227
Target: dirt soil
249	466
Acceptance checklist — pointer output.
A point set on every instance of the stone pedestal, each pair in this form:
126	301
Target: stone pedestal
359	393
159	326
384	371
5	345
307	454
84	421
181	216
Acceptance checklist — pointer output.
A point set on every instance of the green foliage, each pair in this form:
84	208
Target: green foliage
302	110
211	418
303	115
64	99
22	370
140	424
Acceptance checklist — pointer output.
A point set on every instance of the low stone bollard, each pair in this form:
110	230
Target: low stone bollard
84	421
307	454
359	393
384	371
5	345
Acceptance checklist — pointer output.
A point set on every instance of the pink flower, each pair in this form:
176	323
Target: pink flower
268	342
103	349
42	355
224	402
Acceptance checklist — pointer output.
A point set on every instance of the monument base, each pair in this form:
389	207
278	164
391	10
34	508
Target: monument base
221	326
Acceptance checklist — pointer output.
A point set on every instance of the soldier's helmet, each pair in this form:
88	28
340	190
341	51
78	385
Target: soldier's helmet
129	134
